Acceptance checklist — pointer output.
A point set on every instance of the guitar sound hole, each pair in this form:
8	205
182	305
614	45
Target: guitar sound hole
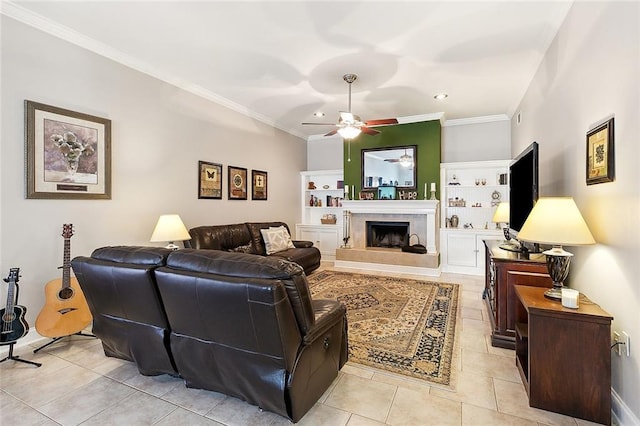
66	293
8	317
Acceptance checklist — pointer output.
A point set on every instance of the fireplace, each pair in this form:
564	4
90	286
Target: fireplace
384	234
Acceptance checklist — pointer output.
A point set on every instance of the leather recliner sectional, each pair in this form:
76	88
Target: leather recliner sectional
235	323
246	238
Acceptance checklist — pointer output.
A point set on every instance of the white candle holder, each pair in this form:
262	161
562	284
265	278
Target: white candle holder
433	195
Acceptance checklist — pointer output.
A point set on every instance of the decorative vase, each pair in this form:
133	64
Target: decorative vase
454	221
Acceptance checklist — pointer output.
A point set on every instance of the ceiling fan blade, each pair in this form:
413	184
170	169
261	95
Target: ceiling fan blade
392	160
318	124
381	122
331	133
368	131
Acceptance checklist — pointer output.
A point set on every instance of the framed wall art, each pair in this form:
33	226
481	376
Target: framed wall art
68	153
258	185
237	183
600	154
209	180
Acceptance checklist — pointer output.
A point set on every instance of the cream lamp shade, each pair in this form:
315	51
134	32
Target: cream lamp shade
170	228
556	221
501	214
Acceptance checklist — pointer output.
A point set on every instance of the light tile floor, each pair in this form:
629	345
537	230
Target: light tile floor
77	384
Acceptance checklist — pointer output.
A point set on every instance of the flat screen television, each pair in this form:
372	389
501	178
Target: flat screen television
523	187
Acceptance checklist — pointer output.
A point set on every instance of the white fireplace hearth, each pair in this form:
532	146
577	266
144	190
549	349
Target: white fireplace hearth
423	219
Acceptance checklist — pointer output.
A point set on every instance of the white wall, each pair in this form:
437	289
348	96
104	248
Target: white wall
159	133
590	72
325	153
476	139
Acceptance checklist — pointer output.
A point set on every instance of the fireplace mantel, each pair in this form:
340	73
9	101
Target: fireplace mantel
391	206
422	215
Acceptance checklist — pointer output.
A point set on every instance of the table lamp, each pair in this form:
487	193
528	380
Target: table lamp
501	215
170	228
556	221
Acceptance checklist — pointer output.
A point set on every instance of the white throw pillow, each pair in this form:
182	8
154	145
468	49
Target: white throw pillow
276	239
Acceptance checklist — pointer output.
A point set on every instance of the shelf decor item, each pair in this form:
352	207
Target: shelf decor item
68	154
556	221
237	185
258	185
209	180
600	154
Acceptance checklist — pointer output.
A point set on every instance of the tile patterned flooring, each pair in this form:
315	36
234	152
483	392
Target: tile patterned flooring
77	384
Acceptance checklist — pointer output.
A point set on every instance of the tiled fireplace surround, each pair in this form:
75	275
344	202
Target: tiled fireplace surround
423	219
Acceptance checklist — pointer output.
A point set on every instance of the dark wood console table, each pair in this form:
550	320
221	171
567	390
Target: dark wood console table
505	269
564	355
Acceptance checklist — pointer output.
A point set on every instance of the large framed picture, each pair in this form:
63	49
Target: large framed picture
600	154
209	180
258	185
68	153
237	187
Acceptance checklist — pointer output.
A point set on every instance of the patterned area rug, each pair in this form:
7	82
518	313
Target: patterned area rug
400	325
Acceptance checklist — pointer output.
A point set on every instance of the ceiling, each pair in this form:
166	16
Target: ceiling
279	62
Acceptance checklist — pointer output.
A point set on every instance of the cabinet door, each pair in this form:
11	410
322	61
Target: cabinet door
461	249
326	240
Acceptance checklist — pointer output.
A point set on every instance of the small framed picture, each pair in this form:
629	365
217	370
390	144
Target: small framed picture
237	187
258	185
68	153
600	154
209	180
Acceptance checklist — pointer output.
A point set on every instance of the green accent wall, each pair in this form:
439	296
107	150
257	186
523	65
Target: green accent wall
426	135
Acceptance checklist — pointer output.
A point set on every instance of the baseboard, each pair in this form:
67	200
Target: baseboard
621	413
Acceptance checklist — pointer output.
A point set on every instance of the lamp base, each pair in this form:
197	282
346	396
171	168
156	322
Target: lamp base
558	261
554	293
172	246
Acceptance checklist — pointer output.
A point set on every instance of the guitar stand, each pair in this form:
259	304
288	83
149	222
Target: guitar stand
55	339
17	358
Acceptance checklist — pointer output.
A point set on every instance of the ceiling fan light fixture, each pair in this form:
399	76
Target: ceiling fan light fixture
349	132
318	114
440	96
406	160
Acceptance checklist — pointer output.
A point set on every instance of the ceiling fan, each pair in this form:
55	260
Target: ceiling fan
405	160
350	125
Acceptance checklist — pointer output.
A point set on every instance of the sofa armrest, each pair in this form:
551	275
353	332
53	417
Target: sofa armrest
302	244
327	313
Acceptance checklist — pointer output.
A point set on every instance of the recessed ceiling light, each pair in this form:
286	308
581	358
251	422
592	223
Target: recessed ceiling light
441	96
318	114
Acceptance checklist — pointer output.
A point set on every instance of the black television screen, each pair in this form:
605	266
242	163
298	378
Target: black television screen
523	186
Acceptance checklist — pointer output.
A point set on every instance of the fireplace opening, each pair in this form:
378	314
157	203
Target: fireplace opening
387	234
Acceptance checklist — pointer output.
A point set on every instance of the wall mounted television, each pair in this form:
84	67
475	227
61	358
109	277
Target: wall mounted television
523	187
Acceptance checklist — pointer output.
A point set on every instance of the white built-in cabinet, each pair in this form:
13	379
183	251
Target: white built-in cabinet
326	236
471	192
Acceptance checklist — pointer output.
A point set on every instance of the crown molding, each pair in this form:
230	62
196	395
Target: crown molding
21	14
476	120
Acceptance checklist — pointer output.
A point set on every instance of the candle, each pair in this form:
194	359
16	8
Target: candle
433	186
425	189
346	189
570	298
352	194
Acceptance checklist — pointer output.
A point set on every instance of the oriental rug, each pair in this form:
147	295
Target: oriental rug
404	326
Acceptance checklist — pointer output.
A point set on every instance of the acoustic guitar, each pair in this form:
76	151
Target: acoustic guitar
14	325
65	311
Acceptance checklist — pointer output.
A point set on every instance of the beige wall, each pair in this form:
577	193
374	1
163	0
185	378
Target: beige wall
590	72
159	134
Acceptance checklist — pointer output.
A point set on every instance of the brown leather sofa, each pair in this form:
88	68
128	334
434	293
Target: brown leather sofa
246	238
234	323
